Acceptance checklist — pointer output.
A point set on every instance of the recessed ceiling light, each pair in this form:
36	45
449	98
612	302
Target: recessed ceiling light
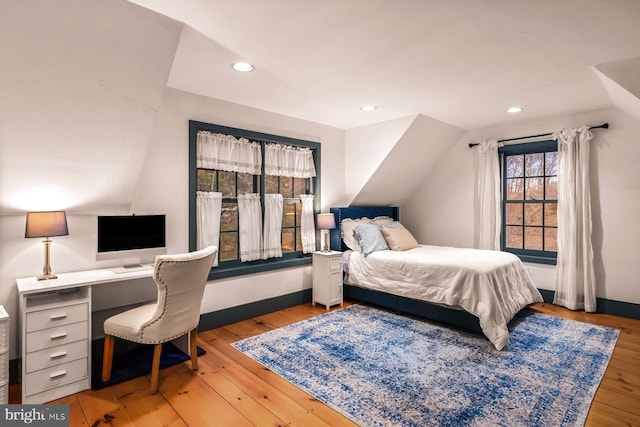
368	108
243	67
514	109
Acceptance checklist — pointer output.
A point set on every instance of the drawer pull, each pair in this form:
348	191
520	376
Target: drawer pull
59	316
57	375
58	355
58	336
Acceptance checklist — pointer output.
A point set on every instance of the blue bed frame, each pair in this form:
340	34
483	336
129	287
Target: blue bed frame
399	304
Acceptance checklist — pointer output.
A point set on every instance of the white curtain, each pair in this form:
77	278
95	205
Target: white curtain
208	210
250	226
489	195
272	226
575	277
307	224
286	160
227	153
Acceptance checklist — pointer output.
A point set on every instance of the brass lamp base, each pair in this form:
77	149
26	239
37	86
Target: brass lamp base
46	270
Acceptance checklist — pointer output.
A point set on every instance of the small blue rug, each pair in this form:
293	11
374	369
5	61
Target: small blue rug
136	363
382	369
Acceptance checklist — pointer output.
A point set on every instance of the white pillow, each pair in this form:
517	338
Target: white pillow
347	226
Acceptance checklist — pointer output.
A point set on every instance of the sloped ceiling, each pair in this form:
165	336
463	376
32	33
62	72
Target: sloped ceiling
81	82
622	81
462	62
419	148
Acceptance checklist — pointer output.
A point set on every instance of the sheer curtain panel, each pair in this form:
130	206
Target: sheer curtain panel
250	227
272	226
208	208
307	224
489	195
228	153
575	277
286	160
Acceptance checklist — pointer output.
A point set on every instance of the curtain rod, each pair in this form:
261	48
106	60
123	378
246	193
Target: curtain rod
602	126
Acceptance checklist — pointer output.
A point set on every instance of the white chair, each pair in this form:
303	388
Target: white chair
180	280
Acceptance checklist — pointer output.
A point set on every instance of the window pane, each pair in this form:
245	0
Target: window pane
206	180
535	189
286	187
551	163
270	184
515	189
533	214
245	183
298	239
551	239
534	164
514	214
514	237
229	217
551	214
533	238
227	183
288	215
298	214
515	166
228	246
288	241
551	188
299	186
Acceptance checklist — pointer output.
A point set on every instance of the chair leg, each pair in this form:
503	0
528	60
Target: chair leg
193	348
107	357
155	367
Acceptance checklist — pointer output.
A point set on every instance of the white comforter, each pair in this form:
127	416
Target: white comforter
491	285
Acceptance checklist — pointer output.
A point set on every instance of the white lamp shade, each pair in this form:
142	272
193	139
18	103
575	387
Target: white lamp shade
326	221
46	224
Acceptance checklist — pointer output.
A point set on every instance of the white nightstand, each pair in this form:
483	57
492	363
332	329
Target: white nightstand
327	278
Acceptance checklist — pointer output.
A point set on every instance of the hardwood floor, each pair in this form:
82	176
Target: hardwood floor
231	389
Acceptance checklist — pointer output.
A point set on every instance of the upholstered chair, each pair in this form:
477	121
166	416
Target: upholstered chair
180	280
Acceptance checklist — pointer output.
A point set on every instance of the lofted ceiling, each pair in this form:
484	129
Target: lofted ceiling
462	62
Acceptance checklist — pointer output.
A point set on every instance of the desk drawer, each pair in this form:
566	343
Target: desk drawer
50	318
56	376
53	337
55	356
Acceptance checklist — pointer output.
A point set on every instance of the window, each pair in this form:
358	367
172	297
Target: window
530	201
233	184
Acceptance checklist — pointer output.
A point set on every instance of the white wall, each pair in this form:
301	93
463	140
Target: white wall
444	209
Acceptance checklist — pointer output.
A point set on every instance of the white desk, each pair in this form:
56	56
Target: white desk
55	330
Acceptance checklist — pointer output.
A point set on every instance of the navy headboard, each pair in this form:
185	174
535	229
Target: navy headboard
357	212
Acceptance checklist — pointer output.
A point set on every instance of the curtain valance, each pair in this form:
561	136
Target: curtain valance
228	153
287	160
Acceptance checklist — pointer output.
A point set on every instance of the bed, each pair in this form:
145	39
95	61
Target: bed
469	288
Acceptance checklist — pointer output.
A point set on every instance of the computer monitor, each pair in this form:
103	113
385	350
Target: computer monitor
130	236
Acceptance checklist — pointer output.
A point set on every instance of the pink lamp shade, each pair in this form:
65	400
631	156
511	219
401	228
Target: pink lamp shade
46	224
326	221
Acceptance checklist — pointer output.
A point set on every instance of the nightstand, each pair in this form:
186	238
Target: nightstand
327	278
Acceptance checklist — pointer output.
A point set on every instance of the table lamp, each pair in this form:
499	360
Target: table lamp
46	224
326	222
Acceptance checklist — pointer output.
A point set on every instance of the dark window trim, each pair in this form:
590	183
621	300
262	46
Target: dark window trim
526	255
237	269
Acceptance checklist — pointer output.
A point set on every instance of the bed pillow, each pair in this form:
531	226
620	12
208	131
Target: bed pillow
398	238
347	226
370	238
382	220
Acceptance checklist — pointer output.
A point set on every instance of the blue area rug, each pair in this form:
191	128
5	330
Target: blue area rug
382	369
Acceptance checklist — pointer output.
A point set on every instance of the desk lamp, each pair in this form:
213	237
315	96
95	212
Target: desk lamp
46	224
326	222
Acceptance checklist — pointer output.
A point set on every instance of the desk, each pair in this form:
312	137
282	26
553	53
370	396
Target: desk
55	330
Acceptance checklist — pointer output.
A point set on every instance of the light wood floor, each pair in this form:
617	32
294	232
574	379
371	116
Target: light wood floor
231	389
